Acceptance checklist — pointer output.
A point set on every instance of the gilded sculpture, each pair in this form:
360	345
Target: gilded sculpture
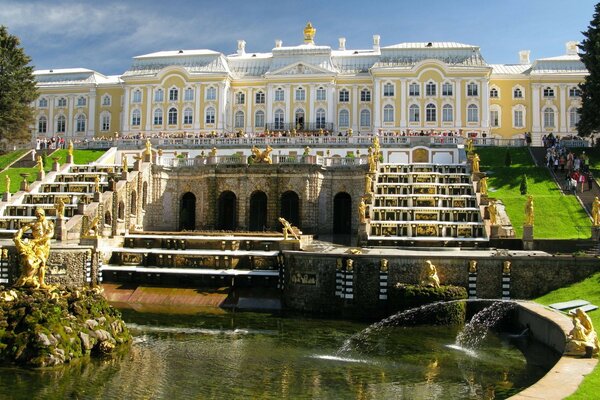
483	185
529	211
39	164
431	277
33	254
506	267
493	211
289	229
97	184
124	162
362	211
475	163
60	207
582	340
70	148
7	183
262	157
469	146
368	184
596	211
148	150
473	266
383	265
309	33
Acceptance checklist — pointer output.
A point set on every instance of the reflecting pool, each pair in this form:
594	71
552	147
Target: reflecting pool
259	356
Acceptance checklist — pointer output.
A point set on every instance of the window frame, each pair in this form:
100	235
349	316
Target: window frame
157	117
430	112
344	96
414	89
173	94
388	113
365	95
188	116
321	94
259	97
472	113
211	93
472	89
430	89
136	116
210	115
447	109
389	90
344	118
365	118
414	113
300	94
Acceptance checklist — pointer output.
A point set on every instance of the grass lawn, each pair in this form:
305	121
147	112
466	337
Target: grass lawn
556	215
588	289
8	158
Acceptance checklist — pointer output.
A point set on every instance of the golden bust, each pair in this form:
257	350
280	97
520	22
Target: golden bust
309	33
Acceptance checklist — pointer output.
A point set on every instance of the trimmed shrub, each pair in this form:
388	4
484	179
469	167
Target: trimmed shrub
417	302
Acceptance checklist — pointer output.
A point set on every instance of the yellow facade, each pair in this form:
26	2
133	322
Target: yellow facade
409	88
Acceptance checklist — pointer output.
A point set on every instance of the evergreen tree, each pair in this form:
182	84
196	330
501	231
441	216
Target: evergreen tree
17	90
507	159
523	187
590	89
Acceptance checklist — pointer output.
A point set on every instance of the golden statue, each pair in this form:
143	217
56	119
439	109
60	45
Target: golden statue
97	184
431	276
306	151
349	265
362	211
582	340
469	146
368	184
309	34
93	229
493	213
7	183
148	150
70	148
39	164
473	266
262	157
595	211
372	161
124	162
483	185
288	229
506	267
34	253
60	208
475	163
213	152
529	211
383	265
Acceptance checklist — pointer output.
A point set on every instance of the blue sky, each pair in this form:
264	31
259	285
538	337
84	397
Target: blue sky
104	35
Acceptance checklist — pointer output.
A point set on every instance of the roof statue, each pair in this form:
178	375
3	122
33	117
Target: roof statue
309	34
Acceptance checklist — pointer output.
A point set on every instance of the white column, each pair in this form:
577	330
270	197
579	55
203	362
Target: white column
458	105
197	112
376	105
535	108
269	110
485	105
403	104
331	102
249	117
126	111
222	106
92	113
311	106
70	117
51	125
563	108
288	101
149	114
354	99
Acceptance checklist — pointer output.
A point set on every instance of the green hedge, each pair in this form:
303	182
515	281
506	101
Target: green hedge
416	298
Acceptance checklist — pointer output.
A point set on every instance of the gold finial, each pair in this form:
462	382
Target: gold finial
309	34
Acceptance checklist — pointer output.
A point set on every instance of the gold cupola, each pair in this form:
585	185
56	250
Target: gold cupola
309	34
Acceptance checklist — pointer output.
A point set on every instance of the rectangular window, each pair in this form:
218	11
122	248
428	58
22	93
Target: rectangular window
259	98
430	89
447	115
137	96
472	89
413	89
259	121
518	115
211	93
365	95
321	94
279	95
240	98
548	92
189	94
494	118
447	89
344	96
173	95
388	90
159	95
300	94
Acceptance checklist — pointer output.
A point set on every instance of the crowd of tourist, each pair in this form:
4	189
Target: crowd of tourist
575	167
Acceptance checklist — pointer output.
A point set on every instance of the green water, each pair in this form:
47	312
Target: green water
258	356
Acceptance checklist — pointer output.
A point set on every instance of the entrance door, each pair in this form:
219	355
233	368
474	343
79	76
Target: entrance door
258	211
227	212
299	120
187	212
342	214
290	208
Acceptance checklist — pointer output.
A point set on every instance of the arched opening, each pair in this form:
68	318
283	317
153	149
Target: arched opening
227	211
144	195
133	203
258	211
121	211
299	119
107	218
187	212
342	214
290	208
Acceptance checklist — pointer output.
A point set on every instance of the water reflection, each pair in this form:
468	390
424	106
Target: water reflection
260	356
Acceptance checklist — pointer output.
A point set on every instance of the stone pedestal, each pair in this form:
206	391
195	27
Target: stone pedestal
69	159
596	233
528	237
362	236
24	186
124	175
6	196
81	207
495	231
97	196
55	166
41	175
484	200
60	229
137	165
147	157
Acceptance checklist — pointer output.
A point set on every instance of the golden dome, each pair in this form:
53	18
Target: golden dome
309	33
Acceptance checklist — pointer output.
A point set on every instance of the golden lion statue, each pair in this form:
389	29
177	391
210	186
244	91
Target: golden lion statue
262	157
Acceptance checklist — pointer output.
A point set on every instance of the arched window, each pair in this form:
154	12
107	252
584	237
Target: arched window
121	211
80	123
240	98
413	89
430	113
300	94
159	95
61	124
188	95
158	116
388	113
388	90
365	95
136	118
320	119
279	121
279	94
573	117
494	93
105	122
472	113
133	203
210	115
413	113
430	89
548	117
172	117
43	103
188	116
239	119
173	94
106	100
211	93
137	96
259	98
447	113
344	96
81	101
344	118
259	119
365	118
42	124
517	93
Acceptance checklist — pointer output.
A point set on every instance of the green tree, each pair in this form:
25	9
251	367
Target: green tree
523	186
17	89
507	159
590	88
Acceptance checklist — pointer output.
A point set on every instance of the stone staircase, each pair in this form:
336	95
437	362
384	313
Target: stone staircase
425	204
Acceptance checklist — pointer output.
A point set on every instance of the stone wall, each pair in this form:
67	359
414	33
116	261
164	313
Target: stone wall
530	278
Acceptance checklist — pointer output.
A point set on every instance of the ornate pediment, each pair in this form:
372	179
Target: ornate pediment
301	69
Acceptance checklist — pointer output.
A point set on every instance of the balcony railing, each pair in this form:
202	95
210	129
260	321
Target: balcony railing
307	126
277	159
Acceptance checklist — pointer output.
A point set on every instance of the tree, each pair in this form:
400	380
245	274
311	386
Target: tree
507	159
590	88
523	186
17	89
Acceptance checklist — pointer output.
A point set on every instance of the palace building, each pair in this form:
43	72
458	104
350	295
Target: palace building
401	89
